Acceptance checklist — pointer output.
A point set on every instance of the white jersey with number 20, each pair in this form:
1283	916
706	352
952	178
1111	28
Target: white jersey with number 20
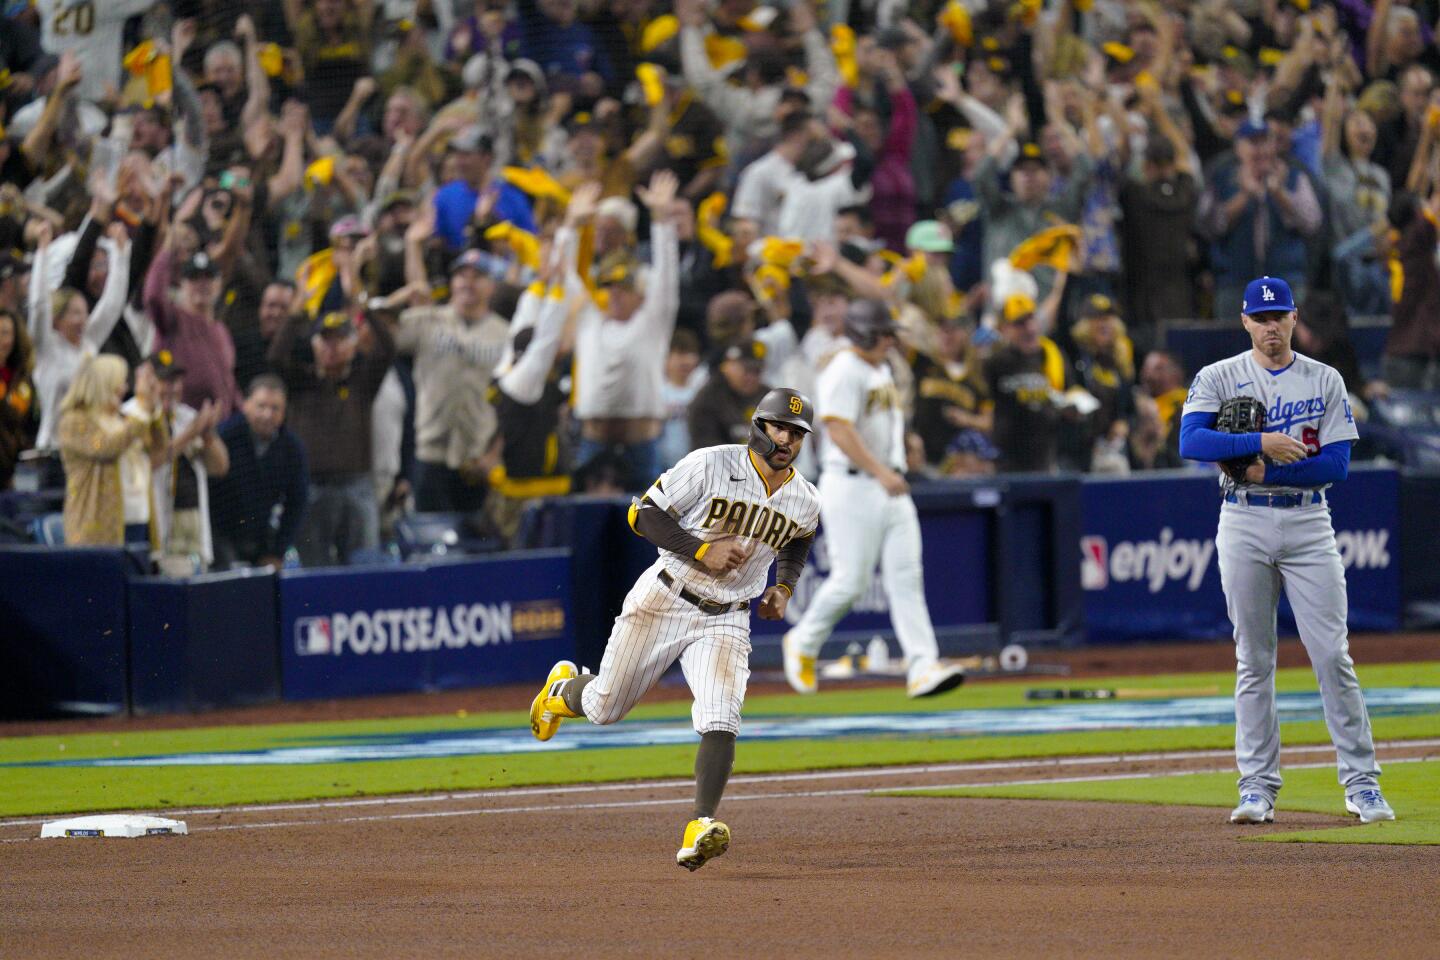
92	29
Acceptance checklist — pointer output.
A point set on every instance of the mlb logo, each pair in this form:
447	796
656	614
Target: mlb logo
313	636
1094	563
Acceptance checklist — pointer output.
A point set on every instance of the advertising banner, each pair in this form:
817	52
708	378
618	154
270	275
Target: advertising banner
1149	569
957	586
349	631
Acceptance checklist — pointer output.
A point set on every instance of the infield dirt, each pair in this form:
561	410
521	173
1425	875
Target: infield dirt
810	874
807	876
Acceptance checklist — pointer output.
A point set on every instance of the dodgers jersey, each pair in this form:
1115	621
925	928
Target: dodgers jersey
863	395
1306	400
717	492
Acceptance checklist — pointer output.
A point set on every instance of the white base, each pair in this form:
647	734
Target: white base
113	825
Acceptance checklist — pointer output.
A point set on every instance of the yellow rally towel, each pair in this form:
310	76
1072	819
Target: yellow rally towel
147	61
1397	272
781	251
535	182
956	18
770	283
911	268
1026	11
314	276
1053	247
1054	363
1270	56
652	82
707	229
525	244
658	31
320	173
842	45
1118	52
272	61
723	50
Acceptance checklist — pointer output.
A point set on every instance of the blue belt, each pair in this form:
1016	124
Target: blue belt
1276	499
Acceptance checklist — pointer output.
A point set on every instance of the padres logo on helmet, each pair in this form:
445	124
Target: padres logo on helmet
781	405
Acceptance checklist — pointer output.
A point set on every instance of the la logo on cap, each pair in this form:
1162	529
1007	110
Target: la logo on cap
1267	293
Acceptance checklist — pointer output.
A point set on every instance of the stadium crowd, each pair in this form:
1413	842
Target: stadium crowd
276	274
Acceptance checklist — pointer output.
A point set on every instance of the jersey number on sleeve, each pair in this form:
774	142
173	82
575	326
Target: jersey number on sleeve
79	20
1311	438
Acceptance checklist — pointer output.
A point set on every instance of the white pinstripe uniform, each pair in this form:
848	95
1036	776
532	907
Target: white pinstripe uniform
713	493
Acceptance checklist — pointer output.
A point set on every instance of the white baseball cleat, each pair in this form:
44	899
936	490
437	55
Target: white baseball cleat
1254	808
799	669
937	678
1370	806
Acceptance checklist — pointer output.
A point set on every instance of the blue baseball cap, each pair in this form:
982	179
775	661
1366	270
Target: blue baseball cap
1267	295
1251	129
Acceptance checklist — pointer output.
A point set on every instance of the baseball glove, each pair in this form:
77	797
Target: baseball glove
1240	415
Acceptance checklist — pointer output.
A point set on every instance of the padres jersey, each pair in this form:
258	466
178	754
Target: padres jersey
92	29
717	492
1306	400
854	391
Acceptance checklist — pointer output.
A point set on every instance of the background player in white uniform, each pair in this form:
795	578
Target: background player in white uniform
92	29
869	516
719	517
1275	531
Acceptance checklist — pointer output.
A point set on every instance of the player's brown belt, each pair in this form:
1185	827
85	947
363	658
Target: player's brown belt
708	607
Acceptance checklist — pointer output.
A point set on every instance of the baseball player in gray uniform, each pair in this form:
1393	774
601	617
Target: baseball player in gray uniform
719	517
1275	531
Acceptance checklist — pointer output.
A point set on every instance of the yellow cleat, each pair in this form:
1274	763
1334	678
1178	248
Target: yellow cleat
705	839
799	669
548	708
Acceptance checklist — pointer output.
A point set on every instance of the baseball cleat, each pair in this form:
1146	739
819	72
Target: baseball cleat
935	679
1254	808
799	669
548	708
1369	806
705	839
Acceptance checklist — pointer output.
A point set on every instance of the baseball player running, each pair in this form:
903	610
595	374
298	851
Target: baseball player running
1275	531
719	517
869	516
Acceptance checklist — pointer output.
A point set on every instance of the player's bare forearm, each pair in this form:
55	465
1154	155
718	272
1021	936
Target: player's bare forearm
844	435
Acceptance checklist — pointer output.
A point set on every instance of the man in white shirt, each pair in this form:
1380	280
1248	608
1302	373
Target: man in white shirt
760	194
620	353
